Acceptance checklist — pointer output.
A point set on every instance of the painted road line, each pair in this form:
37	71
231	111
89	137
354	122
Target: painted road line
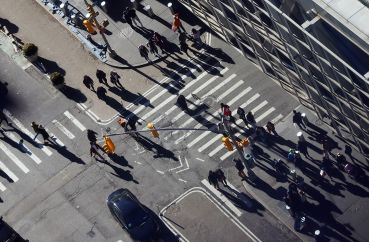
8	172
200	159
276	119
58	141
166	101
26	149
27	132
180	162
225	200
14	158
202	148
188	96
263	115
258	107
2	187
229	153
213	90
231	89
250	100
184	169
63	129
74	121
162	92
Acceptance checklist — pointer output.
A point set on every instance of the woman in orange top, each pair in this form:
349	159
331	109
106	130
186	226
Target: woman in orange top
177	25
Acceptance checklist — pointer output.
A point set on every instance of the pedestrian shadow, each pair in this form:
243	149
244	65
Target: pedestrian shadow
261	185
66	153
130	96
219	53
5	176
120	160
121	173
73	94
116	9
50	66
12	28
160	151
243	201
24	137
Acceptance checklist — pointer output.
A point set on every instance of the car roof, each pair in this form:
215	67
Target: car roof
122	192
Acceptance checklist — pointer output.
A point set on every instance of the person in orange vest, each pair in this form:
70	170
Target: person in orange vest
177	25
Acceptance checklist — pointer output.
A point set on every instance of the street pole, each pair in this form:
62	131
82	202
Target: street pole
112	53
227	127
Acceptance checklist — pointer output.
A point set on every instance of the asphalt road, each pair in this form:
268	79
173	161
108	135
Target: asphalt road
59	193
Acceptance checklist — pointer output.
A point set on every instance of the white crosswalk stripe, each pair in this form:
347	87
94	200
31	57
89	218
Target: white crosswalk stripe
53	136
26	131
74	121
63	129
2	187
14	158
8	172
23	146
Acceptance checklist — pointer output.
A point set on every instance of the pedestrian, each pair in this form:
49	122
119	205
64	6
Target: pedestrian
183	46
326	147
45	135
182	37
114	79
297	119
159	41
242	115
152	47
271	128
325	168
35	128
89	83
225	111
133	16
196	35
177	24
101	76
303	148
144	52
126	17
251	119
93	151
132	123
101	92
221	177
122	122
3	118
91	136
348	150
213	180
240	167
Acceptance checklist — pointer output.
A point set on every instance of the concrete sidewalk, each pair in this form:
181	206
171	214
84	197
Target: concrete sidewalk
123	39
338	208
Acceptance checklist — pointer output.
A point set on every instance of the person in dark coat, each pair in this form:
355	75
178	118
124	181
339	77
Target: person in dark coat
159	41
144	52
183	47
114	79
240	167
242	115
89	83
45	135
133	16
152	47
213	180
127	17
297	119
221	177
101	92
101	76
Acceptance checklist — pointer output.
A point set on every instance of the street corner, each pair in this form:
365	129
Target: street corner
213	221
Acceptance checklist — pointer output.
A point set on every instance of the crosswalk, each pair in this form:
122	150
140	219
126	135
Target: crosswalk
19	145
225	87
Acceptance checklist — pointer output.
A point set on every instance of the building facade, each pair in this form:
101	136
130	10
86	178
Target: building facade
285	48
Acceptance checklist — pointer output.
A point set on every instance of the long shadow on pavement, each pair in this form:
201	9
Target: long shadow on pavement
121	173
66	153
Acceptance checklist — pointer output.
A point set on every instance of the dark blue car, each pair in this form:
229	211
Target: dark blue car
132	215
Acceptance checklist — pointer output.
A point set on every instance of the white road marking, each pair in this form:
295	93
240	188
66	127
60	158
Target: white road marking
276	119
26	131
53	136
63	129
10	174
14	158
74	121
263	115
225	200
28	151
137	162
161	172
182	180
180	92
180	161
200	137
2	187
200	159
188	167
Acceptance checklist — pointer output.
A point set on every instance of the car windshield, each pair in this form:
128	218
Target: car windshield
136	217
